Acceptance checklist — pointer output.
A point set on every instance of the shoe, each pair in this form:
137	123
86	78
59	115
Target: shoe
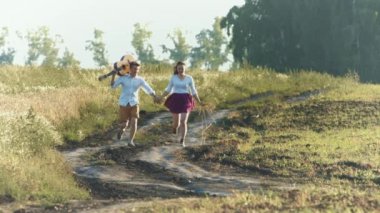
182	142
131	144
119	134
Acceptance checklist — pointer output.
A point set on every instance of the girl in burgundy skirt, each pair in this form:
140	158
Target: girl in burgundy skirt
181	100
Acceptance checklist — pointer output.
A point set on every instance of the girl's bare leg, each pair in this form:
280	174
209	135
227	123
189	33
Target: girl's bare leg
175	123
183	126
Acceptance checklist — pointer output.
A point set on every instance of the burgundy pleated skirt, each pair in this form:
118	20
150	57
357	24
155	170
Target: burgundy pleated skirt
180	103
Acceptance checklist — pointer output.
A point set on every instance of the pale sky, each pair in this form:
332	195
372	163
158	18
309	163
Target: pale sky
75	21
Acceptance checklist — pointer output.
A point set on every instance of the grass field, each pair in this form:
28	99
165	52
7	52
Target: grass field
330	142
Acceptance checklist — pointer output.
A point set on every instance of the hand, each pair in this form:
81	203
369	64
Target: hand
102	77
157	99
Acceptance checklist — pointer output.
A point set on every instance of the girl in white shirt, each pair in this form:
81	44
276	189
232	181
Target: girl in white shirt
181	100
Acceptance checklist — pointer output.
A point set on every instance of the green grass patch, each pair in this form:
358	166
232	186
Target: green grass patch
321	197
322	140
28	162
94	118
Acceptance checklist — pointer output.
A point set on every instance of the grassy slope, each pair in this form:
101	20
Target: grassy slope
337	132
329	144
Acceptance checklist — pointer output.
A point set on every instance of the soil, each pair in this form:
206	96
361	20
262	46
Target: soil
119	176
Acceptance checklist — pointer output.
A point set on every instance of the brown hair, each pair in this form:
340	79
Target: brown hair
179	63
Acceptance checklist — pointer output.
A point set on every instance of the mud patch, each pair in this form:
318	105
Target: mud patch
316	116
6	199
221	158
139	189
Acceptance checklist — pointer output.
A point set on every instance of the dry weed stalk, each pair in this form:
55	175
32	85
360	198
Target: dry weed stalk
205	112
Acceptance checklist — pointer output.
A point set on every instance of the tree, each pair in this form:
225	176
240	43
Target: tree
7	54
68	61
140	38
97	47
41	44
212	51
325	35
181	50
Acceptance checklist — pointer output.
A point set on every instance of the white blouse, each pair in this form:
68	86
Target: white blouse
130	88
177	85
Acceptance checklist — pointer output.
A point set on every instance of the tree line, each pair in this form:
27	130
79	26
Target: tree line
209	54
334	36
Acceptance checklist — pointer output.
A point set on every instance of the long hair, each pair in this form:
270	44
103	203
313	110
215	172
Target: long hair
179	63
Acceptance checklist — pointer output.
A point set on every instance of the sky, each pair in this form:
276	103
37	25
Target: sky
75	21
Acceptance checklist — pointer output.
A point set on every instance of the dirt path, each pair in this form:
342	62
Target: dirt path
194	178
147	175
125	180
157	173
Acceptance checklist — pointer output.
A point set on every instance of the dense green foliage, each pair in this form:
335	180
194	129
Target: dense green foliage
326	35
7	54
41	44
212	51
181	49
98	48
144	49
